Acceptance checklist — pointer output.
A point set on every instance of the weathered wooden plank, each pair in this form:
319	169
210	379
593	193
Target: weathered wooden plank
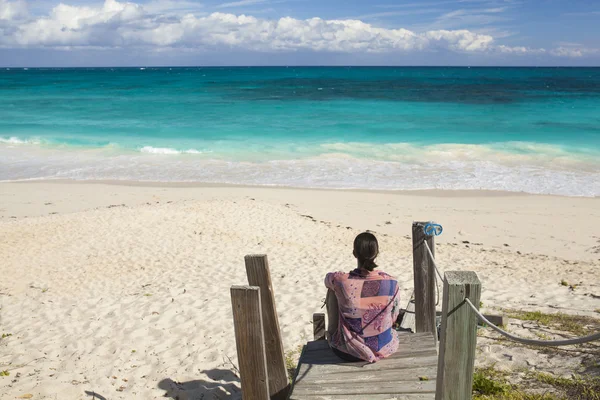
319	326
403	347
356	379
408	351
249	339
380	388
422	359
308	371
257	270
323	357
412	346
424	280
362	377
331	358
396	364
321	374
412	396
333	365
459	336
404	350
392	385
405	340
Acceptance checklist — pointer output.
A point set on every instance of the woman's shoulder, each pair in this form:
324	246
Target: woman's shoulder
384	275
337	275
333	278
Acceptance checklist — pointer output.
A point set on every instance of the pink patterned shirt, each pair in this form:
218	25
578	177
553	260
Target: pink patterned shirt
368	307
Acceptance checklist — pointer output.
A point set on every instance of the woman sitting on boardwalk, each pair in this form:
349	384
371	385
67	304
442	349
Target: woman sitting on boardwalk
367	307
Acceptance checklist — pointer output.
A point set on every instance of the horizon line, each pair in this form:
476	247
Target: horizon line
301	66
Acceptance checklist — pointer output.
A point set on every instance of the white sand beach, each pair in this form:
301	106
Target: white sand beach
122	289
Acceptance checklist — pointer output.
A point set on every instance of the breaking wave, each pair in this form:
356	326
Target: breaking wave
510	166
168	150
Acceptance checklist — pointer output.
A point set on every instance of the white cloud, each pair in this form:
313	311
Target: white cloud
572	51
522	50
79	26
123	24
120	24
10	10
463	40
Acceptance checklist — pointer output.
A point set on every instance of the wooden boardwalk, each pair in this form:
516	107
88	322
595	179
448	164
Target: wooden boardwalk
417	371
410	374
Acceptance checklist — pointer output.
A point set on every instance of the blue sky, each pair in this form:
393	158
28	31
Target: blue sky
299	32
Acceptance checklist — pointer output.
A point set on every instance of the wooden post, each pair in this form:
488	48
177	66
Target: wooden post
250	343
319	326
424	280
257	269
498	320
458	336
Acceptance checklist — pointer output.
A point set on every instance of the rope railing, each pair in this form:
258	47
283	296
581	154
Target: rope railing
534	342
554	343
433	260
431	229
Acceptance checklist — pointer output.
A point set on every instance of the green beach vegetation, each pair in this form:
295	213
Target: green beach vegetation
575	324
492	384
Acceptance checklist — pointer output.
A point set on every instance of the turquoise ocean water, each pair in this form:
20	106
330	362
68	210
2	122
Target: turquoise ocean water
535	130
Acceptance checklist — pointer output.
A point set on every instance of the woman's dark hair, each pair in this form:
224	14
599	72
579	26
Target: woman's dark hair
366	250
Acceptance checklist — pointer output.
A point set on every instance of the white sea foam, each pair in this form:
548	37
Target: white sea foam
11	140
339	165
159	150
16	140
506	153
168	150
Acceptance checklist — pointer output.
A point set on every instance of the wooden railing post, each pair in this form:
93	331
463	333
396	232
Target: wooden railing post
458	336
250	342
257	269
424	280
319	326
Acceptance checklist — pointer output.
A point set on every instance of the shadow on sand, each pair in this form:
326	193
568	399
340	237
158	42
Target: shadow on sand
221	385
95	395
